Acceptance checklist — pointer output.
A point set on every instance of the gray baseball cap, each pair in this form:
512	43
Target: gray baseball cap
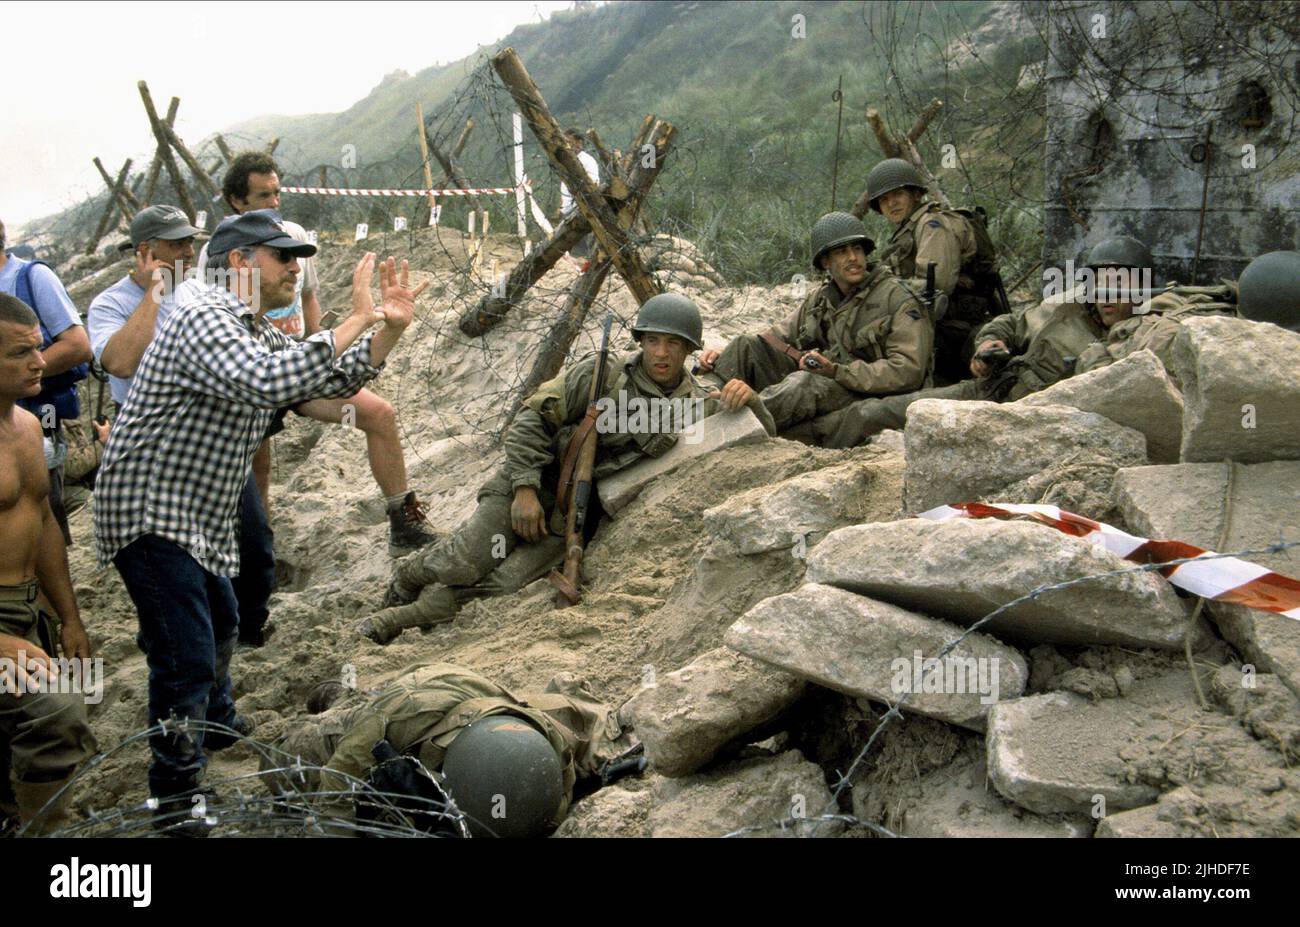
166	222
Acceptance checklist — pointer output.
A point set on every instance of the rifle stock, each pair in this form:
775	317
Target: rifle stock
566	580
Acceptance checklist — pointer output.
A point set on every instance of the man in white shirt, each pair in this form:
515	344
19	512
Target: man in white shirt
567	205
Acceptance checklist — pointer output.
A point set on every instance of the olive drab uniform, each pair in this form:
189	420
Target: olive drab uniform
422	711
43	736
880	337
956	242
1045	342
484	556
1155	324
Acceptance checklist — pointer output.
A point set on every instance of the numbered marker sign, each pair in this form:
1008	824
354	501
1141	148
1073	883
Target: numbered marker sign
399	223
435	214
313	236
201	220
362	230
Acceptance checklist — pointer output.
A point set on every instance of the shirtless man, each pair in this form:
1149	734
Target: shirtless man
43	735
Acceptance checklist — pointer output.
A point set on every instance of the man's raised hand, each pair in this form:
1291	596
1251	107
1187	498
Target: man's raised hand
398	304
363	303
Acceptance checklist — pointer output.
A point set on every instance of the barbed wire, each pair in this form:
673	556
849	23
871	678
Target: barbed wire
894	710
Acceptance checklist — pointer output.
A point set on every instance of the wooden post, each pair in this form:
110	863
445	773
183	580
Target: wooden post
151	183
892	146
192	163
118	187
272	145
223	148
324	175
178	180
128	203
423	139
604	223
454	176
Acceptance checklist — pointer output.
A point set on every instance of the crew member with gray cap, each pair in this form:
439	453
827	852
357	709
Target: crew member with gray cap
123	319
168	492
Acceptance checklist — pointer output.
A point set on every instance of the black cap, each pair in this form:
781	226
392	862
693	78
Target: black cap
256	227
165	222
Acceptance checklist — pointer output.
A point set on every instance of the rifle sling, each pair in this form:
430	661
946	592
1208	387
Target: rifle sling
571	457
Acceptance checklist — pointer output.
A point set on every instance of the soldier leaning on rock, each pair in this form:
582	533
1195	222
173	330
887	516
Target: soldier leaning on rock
485	556
862	333
1267	294
1039	346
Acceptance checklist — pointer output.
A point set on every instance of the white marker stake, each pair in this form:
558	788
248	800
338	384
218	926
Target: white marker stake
362	230
518	123
399	223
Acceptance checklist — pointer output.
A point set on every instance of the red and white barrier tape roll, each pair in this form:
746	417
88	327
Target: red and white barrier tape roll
348	191
1224	579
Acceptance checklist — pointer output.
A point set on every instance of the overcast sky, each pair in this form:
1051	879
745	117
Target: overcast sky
70	72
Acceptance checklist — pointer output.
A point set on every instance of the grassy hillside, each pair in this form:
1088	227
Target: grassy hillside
751	100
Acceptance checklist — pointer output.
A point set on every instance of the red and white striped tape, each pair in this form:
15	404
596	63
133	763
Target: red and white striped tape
348	191
1224	579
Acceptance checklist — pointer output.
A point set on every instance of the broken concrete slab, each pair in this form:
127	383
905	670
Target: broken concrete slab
959	801
976	451
871	649
963	569
1059	753
1135	392
799	510
686	717
1208	811
748	793
1262	704
1241	390
725	429
1033	761
1187	502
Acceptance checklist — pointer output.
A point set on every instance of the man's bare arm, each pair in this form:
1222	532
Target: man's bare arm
56	582
70	348
121	355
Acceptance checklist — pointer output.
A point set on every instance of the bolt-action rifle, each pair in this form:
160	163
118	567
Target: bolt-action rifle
574	492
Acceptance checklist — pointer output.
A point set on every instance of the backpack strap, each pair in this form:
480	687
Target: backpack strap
23	290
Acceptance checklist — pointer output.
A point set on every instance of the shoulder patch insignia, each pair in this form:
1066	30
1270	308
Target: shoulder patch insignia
914	314
934	223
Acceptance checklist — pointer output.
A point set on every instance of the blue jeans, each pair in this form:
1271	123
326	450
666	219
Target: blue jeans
188	620
256	579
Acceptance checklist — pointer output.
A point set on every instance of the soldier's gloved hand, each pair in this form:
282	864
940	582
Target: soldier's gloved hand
978	367
735	394
825	366
707	359
527	517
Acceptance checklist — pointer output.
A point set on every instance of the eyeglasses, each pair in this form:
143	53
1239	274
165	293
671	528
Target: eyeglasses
283	255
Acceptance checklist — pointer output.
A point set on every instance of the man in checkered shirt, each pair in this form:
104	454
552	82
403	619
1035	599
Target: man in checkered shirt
168	492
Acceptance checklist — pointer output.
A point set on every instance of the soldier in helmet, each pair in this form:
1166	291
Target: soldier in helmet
860	334
507	542
1269	289
1155	323
510	762
957	243
1019	352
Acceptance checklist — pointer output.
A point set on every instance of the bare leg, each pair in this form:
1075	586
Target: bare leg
374	415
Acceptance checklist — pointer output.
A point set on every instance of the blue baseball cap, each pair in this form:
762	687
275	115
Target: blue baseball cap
256	227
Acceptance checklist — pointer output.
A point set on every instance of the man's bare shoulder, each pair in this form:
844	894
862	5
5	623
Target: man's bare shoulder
25	425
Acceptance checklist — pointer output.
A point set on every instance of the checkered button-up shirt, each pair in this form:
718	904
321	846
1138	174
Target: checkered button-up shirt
200	402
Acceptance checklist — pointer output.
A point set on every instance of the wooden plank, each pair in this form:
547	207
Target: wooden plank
128	203
192	163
